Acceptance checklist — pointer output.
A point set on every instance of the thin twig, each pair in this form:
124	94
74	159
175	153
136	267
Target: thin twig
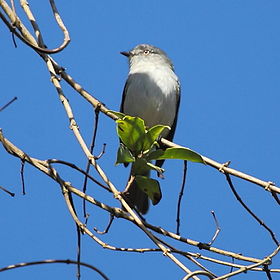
250	211
188	256
91	150
265	261
275	196
61	26
224	263
198	272
180	197
80	170
13	6
54	174
22	176
267	271
14	24
19	265
79	248
102	152
5	190
108	226
231	268
9	103
218	229
30	16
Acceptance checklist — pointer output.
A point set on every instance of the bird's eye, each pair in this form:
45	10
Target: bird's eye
146	52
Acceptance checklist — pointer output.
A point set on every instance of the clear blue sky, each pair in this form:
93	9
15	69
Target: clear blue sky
226	54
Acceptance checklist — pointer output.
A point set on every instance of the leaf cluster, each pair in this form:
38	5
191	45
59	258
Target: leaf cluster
139	146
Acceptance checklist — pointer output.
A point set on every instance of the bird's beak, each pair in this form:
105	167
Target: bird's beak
127	54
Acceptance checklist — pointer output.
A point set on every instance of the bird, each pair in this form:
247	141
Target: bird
152	92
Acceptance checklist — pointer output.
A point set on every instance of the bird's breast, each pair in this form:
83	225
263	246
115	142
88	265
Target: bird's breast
152	96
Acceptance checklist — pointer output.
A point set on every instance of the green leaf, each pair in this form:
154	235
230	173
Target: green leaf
152	135
118	114
150	186
131	131
124	155
155	154
177	153
140	167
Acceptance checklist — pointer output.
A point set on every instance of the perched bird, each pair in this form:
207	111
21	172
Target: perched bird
151	92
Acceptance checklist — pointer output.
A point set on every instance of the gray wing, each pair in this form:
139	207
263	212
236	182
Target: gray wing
170	135
122	105
173	128
123	96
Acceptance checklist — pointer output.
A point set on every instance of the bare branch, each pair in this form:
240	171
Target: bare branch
22	176
41	48
80	170
265	261
108	226
199	272
181	196
91	150
9	103
8	192
218	229
34	24
19	265
250	211
268	186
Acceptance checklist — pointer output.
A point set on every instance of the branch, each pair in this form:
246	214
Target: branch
265	261
237	196
180	197
41	48
268	186
19	265
7	191
9	103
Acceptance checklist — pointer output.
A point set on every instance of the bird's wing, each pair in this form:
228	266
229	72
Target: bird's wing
173	127
123	96
170	135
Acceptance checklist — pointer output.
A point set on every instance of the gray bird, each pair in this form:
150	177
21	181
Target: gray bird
151	92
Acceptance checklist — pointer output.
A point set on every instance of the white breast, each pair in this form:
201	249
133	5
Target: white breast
152	94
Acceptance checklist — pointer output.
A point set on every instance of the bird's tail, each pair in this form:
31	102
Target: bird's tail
135	197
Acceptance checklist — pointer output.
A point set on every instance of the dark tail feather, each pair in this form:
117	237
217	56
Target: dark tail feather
135	197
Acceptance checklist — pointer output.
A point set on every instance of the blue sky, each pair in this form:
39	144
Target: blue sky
226	54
